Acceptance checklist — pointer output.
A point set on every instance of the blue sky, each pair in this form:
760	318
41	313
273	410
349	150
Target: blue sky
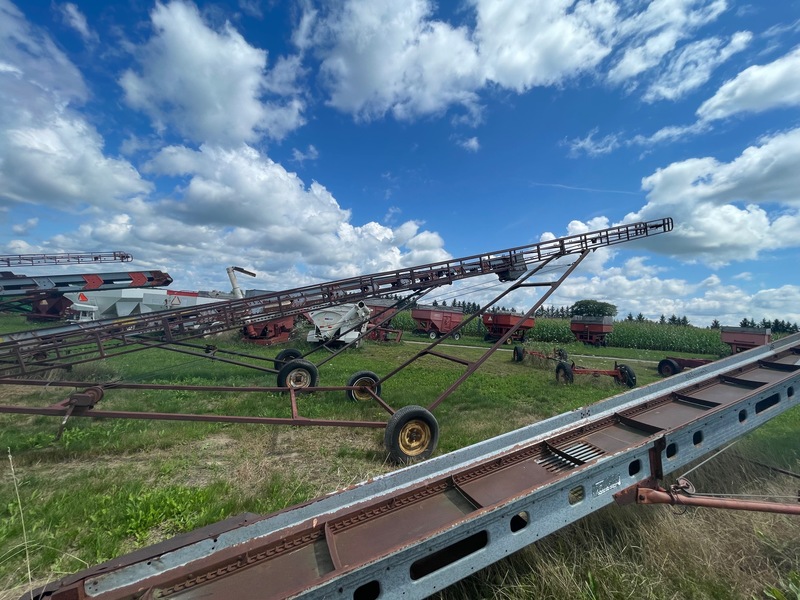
308	141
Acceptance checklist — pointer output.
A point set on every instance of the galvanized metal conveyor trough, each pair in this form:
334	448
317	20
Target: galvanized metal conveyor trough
413	532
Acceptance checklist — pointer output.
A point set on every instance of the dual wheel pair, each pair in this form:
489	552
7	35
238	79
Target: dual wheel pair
412	432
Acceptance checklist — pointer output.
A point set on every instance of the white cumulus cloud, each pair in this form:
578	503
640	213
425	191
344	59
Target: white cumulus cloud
729	211
210	85
756	89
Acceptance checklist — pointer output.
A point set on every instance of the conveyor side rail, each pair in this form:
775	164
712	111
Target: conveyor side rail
412	532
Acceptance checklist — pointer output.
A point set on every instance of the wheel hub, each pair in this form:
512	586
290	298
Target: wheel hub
415	437
362	395
299	378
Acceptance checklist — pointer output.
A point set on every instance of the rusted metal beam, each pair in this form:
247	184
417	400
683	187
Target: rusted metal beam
71	258
646	495
18	351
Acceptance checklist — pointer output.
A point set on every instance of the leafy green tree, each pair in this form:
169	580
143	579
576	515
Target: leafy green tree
593	308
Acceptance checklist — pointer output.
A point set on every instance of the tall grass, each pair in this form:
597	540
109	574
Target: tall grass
109	486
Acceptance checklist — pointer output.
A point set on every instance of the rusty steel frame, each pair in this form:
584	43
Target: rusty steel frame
29	353
18	351
82	404
36	260
412	532
676	497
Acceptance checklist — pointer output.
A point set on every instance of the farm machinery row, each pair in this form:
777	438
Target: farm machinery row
738	339
411	432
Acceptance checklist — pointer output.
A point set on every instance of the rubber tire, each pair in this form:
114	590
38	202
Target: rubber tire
456	336
285	375
564	373
408	421
285	356
628	376
433	335
668	367
519	353
361	378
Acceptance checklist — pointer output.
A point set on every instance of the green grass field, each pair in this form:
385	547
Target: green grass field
110	486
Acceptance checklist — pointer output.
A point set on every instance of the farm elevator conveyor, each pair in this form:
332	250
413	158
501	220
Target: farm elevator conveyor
412	532
64	258
31	352
411	431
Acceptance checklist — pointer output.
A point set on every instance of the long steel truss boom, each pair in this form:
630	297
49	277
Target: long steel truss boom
12	285
36	351
412	532
35	260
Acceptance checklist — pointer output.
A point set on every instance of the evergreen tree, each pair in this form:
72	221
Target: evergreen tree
715	324
640	318
629	317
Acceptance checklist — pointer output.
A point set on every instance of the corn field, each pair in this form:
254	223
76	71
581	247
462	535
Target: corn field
626	334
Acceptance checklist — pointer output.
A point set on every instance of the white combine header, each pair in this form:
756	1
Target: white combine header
343	323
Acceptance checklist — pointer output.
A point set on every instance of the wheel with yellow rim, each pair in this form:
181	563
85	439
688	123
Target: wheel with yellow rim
365	379
411	435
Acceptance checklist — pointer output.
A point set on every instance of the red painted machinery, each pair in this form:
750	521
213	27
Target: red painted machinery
622	374
745	338
436	321
267	333
500	323
520	352
382	311
738	338
591	330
